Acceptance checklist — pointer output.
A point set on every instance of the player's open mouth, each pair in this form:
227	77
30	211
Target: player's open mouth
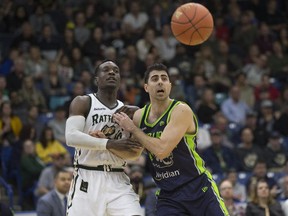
160	91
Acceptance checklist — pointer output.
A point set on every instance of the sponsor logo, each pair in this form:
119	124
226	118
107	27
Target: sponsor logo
204	189
100	108
166	175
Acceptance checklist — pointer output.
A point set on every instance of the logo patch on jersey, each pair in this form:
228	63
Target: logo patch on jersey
204	189
108	131
166	162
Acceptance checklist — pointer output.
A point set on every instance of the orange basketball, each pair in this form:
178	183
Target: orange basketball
192	24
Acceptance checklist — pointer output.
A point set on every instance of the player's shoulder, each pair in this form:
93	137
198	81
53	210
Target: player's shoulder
80	105
182	108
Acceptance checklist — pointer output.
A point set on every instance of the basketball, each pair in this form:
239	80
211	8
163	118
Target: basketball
192	24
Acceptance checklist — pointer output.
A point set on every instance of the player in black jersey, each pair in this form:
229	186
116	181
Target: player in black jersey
167	129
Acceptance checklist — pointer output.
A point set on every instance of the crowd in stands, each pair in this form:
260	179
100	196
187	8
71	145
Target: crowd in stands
236	83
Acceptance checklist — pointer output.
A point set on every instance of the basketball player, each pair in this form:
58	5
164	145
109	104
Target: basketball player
100	187
168	131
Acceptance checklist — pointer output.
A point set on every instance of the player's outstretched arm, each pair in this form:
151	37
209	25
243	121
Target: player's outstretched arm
181	122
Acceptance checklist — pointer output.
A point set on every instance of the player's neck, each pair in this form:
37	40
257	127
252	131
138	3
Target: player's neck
159	107
108	98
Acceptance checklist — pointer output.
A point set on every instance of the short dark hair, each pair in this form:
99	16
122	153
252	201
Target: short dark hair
98	66
157	67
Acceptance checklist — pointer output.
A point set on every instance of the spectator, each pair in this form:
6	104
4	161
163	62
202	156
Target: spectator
234	207
25	39
220	80
143	45
39	19
239	190
69	43
266	122
10	125
265	90
176	80
135	20
261	202
247	153
246	91
36	66
4	96
233	108
53	85
207	107
58	123
49	43
32	96
218	158
82	33
260	171
15	77
166	43
7	63
31	167
94	48
45	182
65	69
275	154
79	63
54	203
278	62
47	146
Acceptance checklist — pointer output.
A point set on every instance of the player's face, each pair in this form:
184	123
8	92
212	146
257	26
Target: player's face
158	85
108	75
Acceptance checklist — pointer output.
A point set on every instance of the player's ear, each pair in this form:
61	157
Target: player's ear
146	88
96	81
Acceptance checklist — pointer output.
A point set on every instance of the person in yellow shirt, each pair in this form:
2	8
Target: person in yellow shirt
48	146
10	124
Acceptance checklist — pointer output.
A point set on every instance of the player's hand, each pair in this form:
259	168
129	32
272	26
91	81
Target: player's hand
128	109
97	134
124	121
126	144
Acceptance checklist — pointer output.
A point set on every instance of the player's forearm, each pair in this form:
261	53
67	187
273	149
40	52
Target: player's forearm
125	155
154	145
76	138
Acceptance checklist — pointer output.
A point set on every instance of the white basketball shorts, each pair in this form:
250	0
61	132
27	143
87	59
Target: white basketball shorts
100	193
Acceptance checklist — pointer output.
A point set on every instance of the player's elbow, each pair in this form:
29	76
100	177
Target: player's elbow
69	136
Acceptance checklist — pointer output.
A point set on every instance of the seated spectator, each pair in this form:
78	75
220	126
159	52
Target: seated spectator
260	172
4	96
246	91
234	207
32	119
177	90
218	158
10	124
47	146
36	66
207	107
58	123
265	122
233	108
45	182
31	167
31	96
49	43
265	90
247	153
54	203
275	154
239	190
262	203
15	77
